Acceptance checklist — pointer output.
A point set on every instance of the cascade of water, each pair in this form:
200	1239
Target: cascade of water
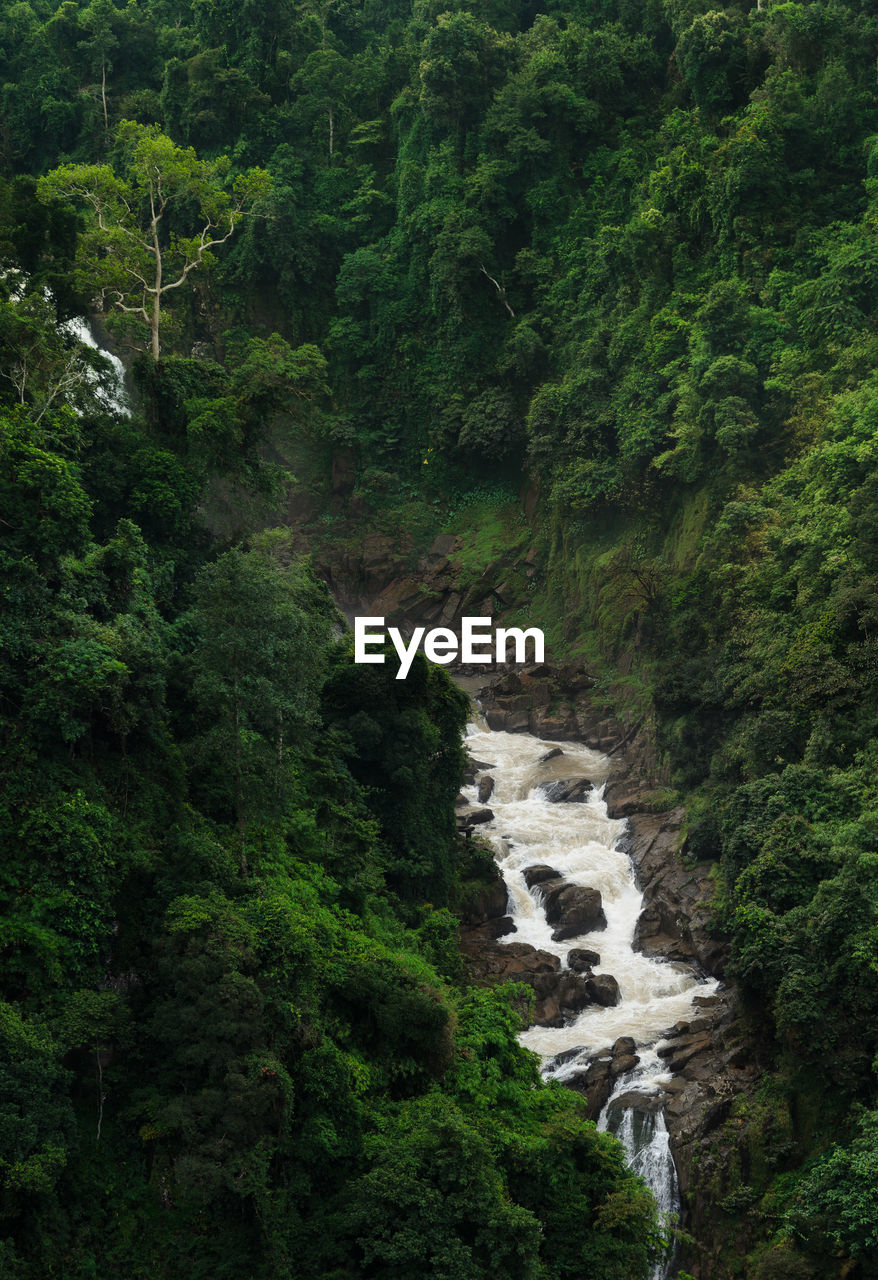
114	395
635	1116
581	842
111	392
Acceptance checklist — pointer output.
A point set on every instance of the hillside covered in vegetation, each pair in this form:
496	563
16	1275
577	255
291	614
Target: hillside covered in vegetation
619	256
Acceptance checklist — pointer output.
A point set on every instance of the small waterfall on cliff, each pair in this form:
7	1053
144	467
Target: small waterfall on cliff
111	391
581	842
634	1115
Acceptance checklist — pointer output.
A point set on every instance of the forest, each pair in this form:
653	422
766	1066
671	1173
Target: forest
617	256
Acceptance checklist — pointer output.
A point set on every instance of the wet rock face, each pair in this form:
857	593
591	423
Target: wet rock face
473	816
538	874
676	920
622	1064
572	908
713	1065
567	790
598	1080
473	767
603	989
637	1100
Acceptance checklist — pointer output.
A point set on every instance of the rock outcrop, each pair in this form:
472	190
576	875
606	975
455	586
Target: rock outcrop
714	1065
598	1078
567	790
483	913
572	908
603	989
676	919
538	874
559	994
470	815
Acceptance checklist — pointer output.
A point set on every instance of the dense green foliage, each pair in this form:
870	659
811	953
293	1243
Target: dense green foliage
627	247
234	1039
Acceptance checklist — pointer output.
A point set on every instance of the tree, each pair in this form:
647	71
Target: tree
130	251
255	672
98	21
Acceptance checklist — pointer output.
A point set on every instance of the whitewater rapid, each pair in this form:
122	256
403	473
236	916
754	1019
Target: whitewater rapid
582	843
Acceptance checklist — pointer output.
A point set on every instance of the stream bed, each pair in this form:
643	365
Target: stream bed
582	844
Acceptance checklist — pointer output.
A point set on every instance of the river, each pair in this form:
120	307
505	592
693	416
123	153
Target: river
581	842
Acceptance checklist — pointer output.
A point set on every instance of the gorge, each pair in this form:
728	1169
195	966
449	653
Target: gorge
581	844
559	314
654	1039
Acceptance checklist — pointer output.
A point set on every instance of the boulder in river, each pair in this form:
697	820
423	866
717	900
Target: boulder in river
572	995
573	909
598	1080
486	788
550	755
621	1065
582	960
539	873
473	767
473	816
603	989
567	790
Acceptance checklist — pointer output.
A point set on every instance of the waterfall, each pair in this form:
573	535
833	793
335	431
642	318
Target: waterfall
111	391
635	1116
581	842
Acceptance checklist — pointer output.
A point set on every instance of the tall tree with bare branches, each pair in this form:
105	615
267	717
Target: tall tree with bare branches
132	252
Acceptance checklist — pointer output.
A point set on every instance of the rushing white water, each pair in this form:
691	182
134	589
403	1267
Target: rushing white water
634	1114
111	391
581	843
108	388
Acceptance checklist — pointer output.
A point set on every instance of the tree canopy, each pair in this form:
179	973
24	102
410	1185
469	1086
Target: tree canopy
134	250
589	288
